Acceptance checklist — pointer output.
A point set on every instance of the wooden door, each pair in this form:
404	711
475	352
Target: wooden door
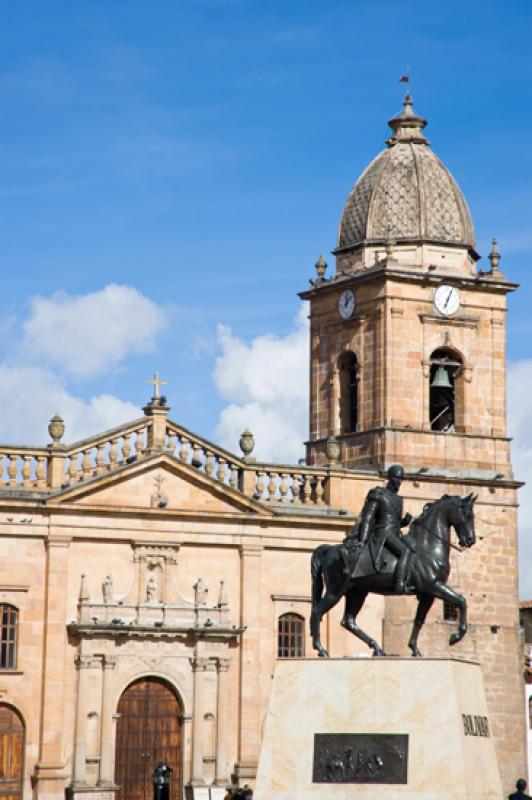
11	754
148	731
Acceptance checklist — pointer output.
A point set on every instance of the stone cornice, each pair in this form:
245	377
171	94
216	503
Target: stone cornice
99	631
383	271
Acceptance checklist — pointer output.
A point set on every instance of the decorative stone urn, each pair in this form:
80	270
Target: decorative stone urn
56	429
247	443
333	449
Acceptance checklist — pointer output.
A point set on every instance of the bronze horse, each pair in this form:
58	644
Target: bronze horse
430	534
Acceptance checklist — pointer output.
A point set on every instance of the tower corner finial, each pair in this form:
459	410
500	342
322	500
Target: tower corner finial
494	256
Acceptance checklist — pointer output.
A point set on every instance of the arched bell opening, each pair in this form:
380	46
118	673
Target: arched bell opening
446	391
349	406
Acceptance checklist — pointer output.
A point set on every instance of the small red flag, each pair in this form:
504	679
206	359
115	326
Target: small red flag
404	79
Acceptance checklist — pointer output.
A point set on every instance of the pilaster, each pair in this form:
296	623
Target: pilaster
250	660
49	776
222	773
106	777
199	667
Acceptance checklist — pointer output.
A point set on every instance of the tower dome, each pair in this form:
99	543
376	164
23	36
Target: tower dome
406	195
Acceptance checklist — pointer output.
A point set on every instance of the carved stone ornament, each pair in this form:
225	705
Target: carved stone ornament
56	428
200	592
151	590
333	449
247	443
107	590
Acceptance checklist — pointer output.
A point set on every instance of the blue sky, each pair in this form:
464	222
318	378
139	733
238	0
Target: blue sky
200	151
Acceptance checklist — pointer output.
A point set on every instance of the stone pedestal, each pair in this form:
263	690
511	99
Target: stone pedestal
405	729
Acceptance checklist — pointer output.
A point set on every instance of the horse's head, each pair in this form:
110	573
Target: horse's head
462	518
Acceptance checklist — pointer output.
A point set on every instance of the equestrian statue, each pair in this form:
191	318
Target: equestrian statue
376	557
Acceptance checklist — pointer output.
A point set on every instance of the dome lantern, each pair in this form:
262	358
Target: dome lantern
407	126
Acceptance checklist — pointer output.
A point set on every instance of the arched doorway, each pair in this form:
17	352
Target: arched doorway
11	753
148	731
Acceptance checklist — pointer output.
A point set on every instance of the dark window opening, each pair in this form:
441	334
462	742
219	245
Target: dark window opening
290	636
348	393
8	637
445	368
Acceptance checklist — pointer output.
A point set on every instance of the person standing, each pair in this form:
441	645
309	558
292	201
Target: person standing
520	793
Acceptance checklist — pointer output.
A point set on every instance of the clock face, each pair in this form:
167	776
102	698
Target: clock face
346	304
446	300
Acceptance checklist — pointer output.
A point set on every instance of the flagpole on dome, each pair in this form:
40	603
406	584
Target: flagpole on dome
405	78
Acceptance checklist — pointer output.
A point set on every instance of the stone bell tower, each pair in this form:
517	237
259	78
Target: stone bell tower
408	365
408	337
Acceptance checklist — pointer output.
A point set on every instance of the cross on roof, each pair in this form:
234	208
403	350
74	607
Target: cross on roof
157	383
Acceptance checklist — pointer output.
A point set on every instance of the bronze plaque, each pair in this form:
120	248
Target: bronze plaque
360	758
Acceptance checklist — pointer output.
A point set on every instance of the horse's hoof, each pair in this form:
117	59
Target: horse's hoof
454	638
378	652
416	653
323	653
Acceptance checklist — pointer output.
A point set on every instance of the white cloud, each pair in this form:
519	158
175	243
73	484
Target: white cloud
71	336
266	384
84	335
519	426
31	395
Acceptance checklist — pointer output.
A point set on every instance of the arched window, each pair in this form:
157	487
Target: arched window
444	395
348	369
8	636
290	636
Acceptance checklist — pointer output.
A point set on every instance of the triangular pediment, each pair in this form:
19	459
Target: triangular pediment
159	482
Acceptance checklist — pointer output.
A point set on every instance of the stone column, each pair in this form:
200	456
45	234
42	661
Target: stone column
107	737
83	663
221	774
199	666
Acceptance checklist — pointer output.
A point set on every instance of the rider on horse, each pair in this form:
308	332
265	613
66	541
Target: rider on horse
379	527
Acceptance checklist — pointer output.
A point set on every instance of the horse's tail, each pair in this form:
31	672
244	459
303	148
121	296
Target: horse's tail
316	571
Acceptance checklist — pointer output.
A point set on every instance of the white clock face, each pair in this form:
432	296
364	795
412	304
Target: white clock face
346	304
446	300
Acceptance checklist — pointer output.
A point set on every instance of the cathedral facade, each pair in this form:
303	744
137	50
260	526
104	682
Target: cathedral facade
152	579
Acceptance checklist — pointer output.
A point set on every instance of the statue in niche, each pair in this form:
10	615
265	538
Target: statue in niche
200	592
151	590
107	590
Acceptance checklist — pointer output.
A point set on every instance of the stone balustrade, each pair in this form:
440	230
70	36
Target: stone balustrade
23	467
114	448
32	468
288	485
55	466
271	483
213	461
